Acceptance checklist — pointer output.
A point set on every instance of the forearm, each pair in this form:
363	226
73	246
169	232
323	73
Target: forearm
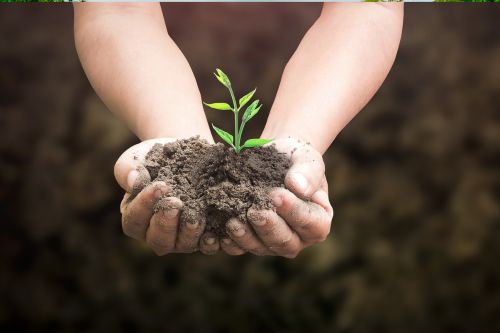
138	71
339	65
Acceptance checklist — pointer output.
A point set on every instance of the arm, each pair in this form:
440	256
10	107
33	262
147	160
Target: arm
141	75
138	71
337	68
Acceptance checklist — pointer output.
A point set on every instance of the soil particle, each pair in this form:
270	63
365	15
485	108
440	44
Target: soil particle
215	183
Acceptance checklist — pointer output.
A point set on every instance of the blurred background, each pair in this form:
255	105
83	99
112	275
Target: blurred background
414	179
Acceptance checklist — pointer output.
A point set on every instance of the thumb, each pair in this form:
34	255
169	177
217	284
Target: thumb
130	172
306	173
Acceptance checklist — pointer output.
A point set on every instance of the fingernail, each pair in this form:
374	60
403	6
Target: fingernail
160	191
277	200
239	232
226	241
235	228
171	213
300	182
131	178
209	240
192	225
257	218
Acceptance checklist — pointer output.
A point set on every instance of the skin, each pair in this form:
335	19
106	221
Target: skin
339	65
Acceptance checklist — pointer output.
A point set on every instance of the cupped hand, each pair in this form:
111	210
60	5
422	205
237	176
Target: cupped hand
302	215
149	214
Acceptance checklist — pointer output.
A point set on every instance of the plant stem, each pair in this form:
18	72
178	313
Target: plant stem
236	111
243	123
237	137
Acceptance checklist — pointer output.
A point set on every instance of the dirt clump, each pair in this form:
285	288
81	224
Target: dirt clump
214	182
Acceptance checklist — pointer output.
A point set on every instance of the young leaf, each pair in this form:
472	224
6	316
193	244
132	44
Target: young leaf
251	143
222	77
251	111
224	135
244	100
218	106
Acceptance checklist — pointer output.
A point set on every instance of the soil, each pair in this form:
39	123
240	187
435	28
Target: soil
214	182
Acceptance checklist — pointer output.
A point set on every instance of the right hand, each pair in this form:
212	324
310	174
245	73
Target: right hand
164	231
302	213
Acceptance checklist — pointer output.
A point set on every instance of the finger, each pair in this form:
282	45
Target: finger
243	235
162	231
138	212
126	167
209	244
306	172
230	247
320	197
274	232
124	203
192	224
310	220
324	184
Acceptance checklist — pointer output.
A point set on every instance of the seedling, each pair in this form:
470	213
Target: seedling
249	113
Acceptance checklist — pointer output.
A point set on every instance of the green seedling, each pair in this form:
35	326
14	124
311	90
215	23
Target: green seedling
249	113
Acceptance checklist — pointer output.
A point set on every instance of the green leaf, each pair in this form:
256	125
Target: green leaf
222	77
228	138
218	106
244	100
251	111
251	143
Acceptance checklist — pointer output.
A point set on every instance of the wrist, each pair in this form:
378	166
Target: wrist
302	134
179	129
177	136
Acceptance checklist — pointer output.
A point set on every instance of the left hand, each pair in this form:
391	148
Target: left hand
303	212
165	230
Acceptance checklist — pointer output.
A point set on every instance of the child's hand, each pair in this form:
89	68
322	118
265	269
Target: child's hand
163	231
303	212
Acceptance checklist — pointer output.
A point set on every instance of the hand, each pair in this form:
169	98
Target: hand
303	212
167	230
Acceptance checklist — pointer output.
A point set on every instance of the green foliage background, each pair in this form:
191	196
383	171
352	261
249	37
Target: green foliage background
43	1
24	1
414	180
467	0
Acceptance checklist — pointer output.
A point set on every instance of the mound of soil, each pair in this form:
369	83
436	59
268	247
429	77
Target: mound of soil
214	182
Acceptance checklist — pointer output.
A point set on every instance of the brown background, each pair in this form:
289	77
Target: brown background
415	181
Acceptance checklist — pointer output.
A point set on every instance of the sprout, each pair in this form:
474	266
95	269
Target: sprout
249	113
